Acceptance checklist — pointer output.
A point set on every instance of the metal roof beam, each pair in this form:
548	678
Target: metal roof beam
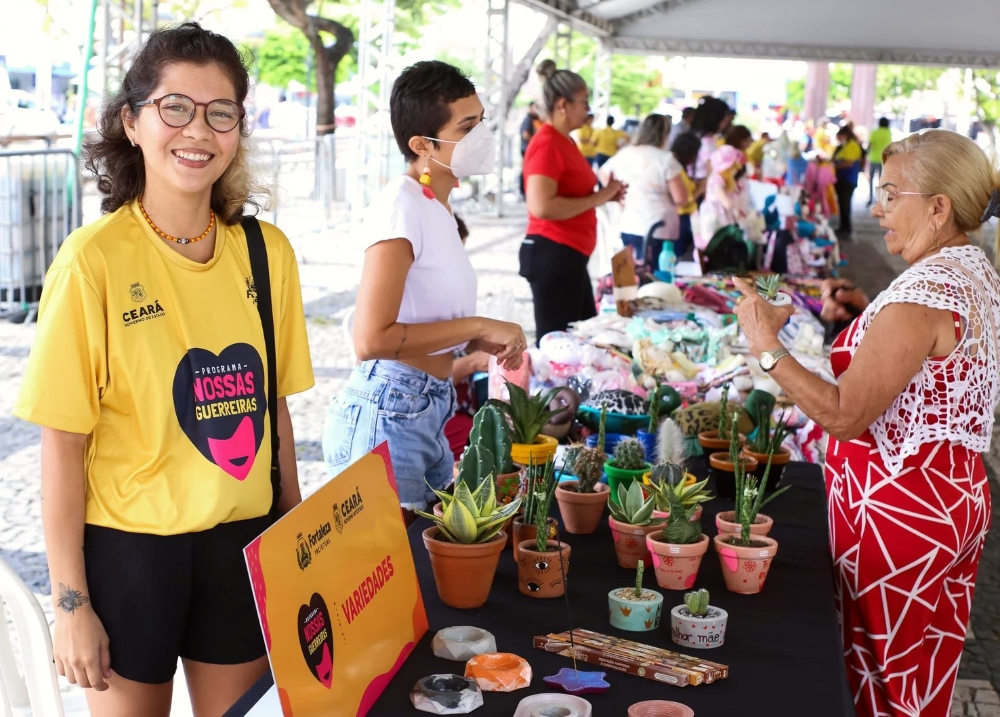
580	19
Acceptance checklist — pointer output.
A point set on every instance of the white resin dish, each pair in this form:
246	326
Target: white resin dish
462	643
553	704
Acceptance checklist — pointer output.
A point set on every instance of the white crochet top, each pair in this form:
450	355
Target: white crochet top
950	399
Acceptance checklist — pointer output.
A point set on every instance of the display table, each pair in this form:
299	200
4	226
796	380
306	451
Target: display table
782	645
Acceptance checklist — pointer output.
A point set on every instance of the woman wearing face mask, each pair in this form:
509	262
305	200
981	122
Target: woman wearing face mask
918	380
417	298
562	223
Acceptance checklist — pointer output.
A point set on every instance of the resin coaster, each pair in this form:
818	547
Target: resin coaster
499	672
446	695
577	682
462	643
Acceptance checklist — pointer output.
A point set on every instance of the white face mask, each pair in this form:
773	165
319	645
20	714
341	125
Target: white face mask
476	153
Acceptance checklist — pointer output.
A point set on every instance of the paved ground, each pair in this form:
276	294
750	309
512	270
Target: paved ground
330	269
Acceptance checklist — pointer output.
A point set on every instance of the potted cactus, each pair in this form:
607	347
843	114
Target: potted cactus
697	624
766	444
731	521
542	563
581	502
767	287
648	436
678	550
746	557
491	430
631	520
723	465
670	478
528	415
635	609
718	440
627	464
538	490
603	440
465	542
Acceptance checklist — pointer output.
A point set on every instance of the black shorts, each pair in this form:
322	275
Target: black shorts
161	597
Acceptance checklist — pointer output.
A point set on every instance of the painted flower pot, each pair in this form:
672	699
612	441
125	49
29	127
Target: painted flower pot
620	476
778	463
696	515
529	531
463	573
636	615
725	473
659	708
610	441
726	526
630	542
701	633
745	569
676	566
536	453
581	512
711	443
540	575
648	441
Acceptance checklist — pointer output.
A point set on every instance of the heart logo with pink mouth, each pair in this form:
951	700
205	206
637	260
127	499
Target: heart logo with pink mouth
316	639
220	404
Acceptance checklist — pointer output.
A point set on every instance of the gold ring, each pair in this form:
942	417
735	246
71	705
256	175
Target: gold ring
740	298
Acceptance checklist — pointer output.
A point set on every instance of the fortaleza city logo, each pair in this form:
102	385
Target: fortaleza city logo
316	639
302	553
151	310
348	510
220	404
315	542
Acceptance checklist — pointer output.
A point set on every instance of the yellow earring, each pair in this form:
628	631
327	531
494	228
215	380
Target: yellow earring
425	181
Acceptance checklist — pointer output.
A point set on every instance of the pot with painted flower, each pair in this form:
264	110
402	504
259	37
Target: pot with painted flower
634	608
631	520
678	550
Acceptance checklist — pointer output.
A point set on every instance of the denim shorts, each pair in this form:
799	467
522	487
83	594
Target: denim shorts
390	401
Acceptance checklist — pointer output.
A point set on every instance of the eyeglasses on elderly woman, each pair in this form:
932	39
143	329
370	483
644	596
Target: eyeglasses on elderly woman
883	196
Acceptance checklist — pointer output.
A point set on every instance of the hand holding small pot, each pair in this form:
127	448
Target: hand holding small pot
759	320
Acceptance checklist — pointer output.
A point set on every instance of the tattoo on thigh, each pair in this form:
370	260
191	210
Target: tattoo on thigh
70	599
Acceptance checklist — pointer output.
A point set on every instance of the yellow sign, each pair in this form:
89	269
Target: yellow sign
337	593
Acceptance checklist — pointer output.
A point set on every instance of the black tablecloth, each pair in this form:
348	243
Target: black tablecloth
782	645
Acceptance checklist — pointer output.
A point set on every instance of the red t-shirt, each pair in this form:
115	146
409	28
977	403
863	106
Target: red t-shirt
558	158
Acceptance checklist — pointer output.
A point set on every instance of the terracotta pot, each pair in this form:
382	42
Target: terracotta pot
523	531
536	453
696	515
630	542
620	476
724	523
659	708
725	473
676	565
581	512
711	443
627	613
508	487
745	569
463	573
541	575
701	633
778	463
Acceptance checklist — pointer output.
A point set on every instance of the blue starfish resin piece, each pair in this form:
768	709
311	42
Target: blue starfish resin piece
577	682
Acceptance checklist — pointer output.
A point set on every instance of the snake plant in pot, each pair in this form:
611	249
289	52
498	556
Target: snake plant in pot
722	465
678	550
635	608
698	624
766	445
542	563
667	478
626	465
581	502
631	520
465	542
528	416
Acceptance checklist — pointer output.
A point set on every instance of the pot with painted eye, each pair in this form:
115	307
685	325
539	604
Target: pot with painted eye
541	574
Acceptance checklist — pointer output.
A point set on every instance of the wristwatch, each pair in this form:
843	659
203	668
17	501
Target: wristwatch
769	358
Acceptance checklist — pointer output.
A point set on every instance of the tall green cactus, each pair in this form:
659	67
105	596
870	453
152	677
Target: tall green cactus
697	602
477	465
490	429
638	580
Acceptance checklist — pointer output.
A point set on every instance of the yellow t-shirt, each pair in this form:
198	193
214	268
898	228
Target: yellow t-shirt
585	140
850	152
755	152
691	206
161	361
607	139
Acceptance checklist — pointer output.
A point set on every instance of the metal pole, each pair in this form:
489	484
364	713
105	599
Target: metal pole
154	15
105	44
85	82
137	22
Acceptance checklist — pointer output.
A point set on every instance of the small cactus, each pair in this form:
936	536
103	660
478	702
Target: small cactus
768	285
601	429
588	465
477	465
654	408
638	581
630	455
697	602
724	411
680	529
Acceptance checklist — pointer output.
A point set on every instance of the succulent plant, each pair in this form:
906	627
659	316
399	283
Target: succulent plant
669	478
724	411
767	286
588	466
471	516
638	580
680	529
654	407
766	440
632	507
630	455
697	602
601	428
749	492
490	429
528	414
538	503
476	465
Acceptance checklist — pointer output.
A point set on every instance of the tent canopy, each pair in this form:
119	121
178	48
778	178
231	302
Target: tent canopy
956	33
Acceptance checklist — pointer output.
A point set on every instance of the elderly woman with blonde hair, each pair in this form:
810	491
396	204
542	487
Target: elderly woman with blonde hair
918	380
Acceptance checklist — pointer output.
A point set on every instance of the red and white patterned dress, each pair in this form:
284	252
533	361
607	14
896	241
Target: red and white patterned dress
909	503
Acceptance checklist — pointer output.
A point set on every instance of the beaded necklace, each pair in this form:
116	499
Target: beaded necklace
177	240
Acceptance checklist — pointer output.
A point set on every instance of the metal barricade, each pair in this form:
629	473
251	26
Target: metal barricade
39	206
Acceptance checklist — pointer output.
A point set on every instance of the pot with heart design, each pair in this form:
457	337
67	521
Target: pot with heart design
676	564
745	567
541	574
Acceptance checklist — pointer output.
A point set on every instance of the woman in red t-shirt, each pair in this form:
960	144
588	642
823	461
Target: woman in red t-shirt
562	223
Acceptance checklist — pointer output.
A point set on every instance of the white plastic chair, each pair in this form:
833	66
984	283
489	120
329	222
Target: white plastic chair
347	326
38	689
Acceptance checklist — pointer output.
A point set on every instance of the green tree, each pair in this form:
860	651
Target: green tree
986	93
635	88
895	84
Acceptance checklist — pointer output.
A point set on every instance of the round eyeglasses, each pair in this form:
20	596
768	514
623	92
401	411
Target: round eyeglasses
179	110
883	195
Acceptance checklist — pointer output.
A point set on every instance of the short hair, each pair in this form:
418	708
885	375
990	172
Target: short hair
120	168
420	99
558	84
654	131
945	162
737	135
709	115
685	148
463	230
884	122
611	121
687	113
765	135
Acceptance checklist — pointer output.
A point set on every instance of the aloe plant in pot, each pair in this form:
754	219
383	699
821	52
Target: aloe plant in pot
528	415
698	624
631	520
627	465
635	609
678	550
767	287
465	542
670	478
581	502
542	563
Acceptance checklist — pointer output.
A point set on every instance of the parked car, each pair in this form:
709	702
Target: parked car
21	114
